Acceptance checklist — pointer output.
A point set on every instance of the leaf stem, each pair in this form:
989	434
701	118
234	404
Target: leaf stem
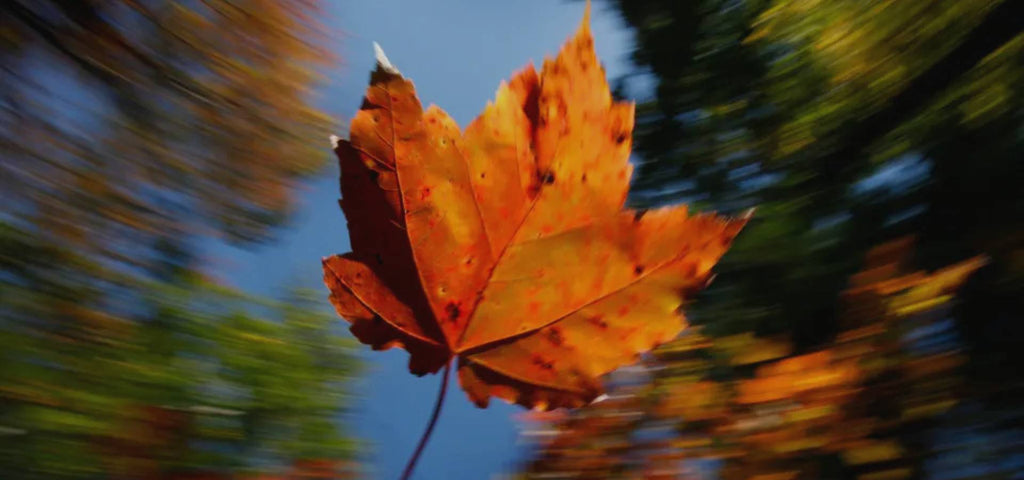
430	426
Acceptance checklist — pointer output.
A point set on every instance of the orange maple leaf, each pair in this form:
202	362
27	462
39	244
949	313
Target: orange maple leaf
507	245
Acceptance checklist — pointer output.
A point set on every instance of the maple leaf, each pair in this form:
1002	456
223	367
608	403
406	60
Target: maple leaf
508	245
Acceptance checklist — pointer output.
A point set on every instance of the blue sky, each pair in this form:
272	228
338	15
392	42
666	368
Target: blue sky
456	52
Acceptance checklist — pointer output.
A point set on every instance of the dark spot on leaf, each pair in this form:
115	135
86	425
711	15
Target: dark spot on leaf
453	310
549	178
555	336
621	138
542	363
584	178
374	175
483	174
533	190
638	269
598	321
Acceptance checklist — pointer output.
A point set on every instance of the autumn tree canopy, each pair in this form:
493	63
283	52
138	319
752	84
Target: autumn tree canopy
133	132
850	125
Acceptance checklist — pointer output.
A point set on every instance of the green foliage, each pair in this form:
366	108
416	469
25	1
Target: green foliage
847	124
189	376
135	132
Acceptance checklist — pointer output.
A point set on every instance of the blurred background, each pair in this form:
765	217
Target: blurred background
168	191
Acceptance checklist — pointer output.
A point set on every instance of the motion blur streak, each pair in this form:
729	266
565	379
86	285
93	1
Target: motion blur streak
867	323
132	132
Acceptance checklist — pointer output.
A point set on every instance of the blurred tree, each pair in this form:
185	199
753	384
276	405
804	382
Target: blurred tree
847	124
132	132
850	409
159	117
185	377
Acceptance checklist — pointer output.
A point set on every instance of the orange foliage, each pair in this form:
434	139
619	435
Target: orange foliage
507	244
778	411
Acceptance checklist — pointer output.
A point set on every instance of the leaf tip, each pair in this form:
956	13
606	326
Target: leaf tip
604	396
584	28
382	60
748	213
